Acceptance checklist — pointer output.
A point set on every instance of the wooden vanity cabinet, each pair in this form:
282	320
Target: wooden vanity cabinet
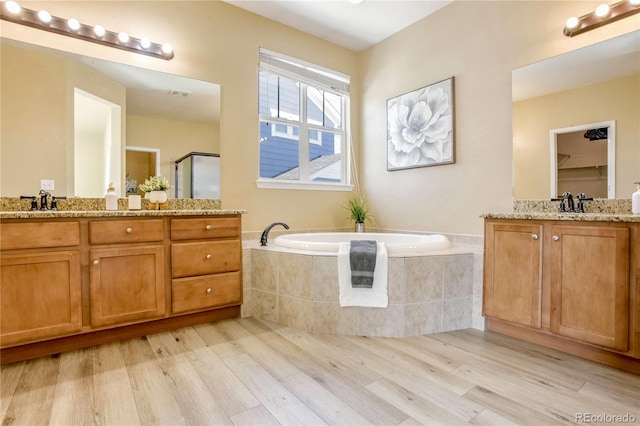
513	275
40	281
126	271
206	258
561	283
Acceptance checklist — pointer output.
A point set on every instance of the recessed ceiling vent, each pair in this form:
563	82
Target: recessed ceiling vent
597	134
179	93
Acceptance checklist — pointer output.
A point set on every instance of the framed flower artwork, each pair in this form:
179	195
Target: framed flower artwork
420	127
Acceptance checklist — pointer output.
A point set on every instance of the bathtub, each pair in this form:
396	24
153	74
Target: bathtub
396	244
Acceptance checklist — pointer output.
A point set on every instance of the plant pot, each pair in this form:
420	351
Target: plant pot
359	227
157	196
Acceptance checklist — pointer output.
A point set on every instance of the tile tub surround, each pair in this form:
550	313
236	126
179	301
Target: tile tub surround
441	291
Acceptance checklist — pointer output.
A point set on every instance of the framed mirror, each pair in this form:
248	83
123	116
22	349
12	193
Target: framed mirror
172	114
596	84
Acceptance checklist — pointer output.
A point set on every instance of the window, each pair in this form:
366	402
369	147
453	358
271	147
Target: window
303	115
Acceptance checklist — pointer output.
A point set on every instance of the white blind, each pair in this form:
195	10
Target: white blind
304	71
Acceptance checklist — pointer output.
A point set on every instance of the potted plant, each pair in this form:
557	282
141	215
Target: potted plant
155	189
359	212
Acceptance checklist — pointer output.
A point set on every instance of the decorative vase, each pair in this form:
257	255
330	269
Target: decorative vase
158	196
359	227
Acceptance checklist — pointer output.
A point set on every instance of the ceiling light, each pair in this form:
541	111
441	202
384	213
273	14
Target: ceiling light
603	15
43	20
13	7
74	24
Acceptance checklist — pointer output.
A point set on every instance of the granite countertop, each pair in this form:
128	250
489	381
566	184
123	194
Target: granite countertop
589	217
598	210
16	208
119	213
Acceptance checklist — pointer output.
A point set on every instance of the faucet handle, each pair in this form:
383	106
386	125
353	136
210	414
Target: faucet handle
561	208
582	197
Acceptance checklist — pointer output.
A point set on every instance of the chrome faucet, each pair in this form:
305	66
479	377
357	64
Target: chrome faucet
265	233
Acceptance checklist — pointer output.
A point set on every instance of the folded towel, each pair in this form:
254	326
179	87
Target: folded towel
362	259
376	296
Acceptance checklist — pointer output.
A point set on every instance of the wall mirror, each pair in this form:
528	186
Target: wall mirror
41	136
573	92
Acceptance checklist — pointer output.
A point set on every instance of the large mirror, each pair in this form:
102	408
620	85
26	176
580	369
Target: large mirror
83	123
572	96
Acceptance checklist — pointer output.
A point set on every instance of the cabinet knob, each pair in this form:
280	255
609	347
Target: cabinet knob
209	290
129	230
555	238
208	227
534	236
96	262
208	256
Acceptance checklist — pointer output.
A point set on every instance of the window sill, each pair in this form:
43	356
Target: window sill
313	186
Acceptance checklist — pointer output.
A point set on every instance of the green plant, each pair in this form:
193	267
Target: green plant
359	212
154	183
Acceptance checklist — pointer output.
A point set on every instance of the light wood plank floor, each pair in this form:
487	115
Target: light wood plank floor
250	372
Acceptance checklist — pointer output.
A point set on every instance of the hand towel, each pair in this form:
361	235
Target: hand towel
362	259
376	296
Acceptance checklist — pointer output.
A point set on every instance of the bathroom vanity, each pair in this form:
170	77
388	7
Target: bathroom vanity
76	279
568	281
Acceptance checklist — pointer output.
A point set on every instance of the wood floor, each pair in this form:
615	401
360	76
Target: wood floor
246	372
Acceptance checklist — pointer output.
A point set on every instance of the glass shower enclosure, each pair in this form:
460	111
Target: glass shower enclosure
198	175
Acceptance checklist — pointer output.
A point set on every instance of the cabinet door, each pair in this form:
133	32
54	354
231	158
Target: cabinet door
590	284
512	273
127	284
40	296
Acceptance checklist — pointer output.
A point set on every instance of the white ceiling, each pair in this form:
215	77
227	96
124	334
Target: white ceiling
354	26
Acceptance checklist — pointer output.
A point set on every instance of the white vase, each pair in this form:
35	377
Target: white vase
158	196
359	227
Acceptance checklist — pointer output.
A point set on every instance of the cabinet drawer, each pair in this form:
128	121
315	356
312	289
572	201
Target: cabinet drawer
188	294
39	235
125	231
206	227
204	258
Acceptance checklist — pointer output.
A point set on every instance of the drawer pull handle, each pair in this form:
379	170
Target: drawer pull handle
555	238
96	262
129	230
534	236
208	257
209	290
208	227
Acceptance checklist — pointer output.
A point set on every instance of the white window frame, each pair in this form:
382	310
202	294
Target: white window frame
308	75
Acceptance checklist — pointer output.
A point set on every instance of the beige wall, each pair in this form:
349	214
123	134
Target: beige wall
477	42
616	99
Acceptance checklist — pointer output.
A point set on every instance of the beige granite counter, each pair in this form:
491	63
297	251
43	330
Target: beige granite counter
15	208
120	213
589	217
598	210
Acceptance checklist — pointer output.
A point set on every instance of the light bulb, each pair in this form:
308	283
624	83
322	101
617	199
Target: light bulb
73	24
99	30
123	37
602	10
44	16
635	2
166	48
572	22
13	7
145	43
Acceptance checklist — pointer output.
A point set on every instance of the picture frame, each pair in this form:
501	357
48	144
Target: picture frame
420	127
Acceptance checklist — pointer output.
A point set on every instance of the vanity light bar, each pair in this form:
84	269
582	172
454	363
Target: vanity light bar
43	20
604	14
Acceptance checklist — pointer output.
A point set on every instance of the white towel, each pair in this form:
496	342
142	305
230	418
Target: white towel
370	297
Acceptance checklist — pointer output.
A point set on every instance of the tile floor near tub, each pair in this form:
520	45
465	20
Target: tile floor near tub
427	294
